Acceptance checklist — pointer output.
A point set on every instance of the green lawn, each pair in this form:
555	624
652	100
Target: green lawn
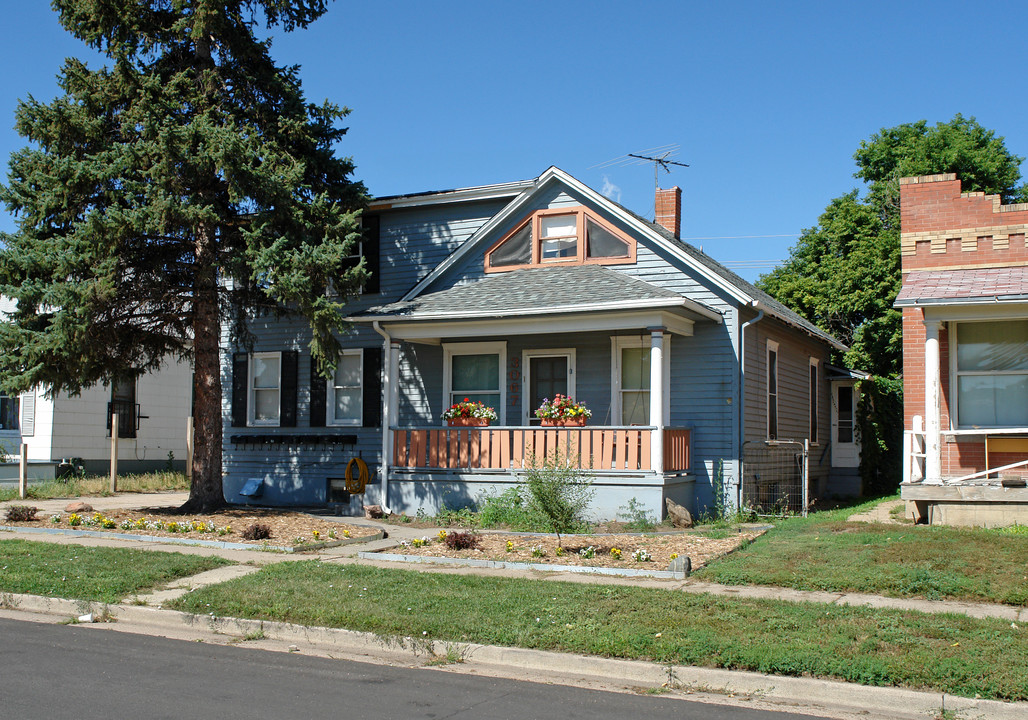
96	574
825	552
945	653
97	485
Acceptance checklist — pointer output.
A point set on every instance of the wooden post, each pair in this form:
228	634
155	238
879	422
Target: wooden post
189	448
23	472
114	452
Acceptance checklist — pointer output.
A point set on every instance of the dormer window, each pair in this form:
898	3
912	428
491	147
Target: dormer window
559	236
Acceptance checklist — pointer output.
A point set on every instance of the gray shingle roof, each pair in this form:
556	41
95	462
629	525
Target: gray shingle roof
562	287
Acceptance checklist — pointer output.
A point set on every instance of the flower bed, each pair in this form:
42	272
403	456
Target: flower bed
653	552
284	528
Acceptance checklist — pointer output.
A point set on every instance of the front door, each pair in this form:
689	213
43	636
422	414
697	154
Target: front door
547	373
845	446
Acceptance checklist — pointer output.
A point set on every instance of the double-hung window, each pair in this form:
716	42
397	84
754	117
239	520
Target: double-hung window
992	374
772	390
345	389
631	379
570	236
8	413
265	388
475	371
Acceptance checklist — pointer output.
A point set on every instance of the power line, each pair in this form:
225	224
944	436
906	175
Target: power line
739	237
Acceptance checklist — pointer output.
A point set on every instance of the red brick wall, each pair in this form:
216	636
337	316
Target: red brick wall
942	227
669	210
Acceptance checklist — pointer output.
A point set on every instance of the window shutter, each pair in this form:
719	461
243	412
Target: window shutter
28	413
372	387
287	412
318	396
240	370
371	252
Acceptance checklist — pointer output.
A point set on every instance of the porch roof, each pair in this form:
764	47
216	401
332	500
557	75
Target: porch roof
966	286
539	291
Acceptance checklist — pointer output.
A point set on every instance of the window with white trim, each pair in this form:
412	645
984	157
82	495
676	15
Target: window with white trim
264	388
475	371
345	389
772	390
992	373
563	235
813	399
631	379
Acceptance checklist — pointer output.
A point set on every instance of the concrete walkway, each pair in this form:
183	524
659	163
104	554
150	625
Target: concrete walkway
880	513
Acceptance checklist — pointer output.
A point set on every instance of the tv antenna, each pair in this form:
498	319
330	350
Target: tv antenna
659	156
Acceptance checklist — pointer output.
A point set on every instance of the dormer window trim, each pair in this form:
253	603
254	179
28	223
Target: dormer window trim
558	242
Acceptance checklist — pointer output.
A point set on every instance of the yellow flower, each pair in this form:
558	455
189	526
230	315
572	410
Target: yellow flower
674	556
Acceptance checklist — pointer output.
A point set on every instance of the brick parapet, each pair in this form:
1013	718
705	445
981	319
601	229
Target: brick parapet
945	228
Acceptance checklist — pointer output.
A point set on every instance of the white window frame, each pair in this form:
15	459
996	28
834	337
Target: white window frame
814	411
528	413
772	347
955	374
619	343
476	348
330	394
251	404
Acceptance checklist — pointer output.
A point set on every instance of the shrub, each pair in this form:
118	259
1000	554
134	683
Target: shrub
21	513
462	540
637	517
257	531
560	493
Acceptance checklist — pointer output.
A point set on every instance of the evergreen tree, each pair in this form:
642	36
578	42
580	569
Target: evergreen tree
181	188
844	273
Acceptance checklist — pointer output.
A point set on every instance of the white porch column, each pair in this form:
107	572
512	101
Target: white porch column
932	412
657	398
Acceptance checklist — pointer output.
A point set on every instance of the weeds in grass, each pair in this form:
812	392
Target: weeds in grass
99	486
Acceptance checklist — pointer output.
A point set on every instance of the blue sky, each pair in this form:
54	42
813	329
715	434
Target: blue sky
766	101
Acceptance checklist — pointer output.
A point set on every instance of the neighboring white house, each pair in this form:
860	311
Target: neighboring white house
153	413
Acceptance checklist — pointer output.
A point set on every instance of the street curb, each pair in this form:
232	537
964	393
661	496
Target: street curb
162	540
794	693
504	565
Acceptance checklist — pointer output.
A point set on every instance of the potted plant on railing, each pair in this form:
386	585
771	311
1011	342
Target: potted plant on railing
468	413
562	410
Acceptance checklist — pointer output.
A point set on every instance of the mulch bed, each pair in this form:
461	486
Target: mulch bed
543	548
284	526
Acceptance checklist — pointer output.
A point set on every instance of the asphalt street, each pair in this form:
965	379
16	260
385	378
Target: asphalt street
67	672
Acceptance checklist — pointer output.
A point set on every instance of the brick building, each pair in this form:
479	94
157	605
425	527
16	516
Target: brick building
965	353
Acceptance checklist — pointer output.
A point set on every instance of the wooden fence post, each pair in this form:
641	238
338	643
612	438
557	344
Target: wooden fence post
189	448
23	472
114	452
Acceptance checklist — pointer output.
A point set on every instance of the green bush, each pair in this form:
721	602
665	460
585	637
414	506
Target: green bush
560	493
510	510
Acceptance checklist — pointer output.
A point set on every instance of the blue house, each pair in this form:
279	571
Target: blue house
510	294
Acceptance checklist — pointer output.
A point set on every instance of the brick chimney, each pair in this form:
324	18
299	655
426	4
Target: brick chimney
669	210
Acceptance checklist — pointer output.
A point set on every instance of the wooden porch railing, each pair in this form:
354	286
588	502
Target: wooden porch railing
503	448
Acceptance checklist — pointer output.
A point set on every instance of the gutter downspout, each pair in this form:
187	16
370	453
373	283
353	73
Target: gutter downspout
387	421
742	395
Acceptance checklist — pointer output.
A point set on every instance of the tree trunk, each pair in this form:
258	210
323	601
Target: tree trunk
206	492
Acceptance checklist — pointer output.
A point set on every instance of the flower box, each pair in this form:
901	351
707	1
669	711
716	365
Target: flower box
467	422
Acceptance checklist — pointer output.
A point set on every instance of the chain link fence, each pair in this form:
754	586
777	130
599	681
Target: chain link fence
775	477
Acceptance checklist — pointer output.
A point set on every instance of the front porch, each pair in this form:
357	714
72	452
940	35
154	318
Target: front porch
433	467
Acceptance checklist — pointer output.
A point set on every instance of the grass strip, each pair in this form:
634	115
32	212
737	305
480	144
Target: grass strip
95	574
99	486
826	552
945	653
